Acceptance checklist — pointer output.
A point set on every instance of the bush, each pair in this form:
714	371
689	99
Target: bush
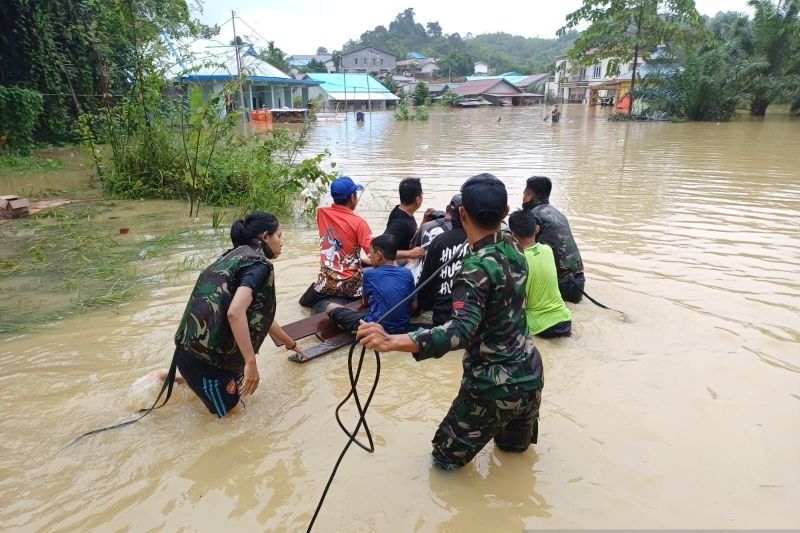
191	150
19	111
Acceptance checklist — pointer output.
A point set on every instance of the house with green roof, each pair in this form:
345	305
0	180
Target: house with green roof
350	92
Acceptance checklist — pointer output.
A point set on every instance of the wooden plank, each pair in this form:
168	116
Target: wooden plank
334	343
313	324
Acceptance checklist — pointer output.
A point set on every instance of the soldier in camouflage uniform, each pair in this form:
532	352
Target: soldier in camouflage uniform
229	314
555	232
501	387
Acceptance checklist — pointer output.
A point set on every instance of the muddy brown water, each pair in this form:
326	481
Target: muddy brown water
686	416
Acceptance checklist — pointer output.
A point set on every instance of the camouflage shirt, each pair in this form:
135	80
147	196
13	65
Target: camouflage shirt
204	330
489	321
554	231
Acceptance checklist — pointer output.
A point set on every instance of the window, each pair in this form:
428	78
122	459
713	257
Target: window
381	60
583	74
374	61
597	70
355	61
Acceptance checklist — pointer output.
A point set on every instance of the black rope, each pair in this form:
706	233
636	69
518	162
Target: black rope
168	383
362	410
624	316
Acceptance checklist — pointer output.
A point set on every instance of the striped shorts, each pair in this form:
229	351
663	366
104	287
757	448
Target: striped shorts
209	383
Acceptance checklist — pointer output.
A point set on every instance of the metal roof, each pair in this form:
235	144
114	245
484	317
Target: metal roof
349	83
370	46
517	81
483	86
209	60
372	97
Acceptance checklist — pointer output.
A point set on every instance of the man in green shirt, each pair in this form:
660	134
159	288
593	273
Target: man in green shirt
501	388
548	317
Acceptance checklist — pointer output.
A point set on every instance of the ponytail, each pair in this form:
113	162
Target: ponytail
246	230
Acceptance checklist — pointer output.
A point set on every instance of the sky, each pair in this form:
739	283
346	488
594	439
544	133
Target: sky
300	26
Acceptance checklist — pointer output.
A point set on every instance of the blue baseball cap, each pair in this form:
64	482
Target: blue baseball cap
344	187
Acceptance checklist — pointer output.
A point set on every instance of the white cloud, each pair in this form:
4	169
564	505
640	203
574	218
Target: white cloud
299	27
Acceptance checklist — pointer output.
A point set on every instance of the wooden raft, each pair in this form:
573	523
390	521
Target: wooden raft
321	326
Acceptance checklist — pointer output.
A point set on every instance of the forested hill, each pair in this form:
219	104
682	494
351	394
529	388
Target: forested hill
501	51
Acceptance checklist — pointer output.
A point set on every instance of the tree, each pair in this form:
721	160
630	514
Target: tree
422	95
704	85
321	51
775	47
392	85
434	29
275	56
314	66
628	30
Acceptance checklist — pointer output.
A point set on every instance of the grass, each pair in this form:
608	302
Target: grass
66	261
28	162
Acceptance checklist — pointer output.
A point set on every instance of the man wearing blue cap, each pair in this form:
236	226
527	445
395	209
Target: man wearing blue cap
343	234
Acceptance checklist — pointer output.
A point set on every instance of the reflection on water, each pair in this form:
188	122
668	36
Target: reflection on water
686	417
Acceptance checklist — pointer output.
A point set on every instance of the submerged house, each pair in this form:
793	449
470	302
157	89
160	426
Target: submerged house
211	66
356	92
494	90
532	83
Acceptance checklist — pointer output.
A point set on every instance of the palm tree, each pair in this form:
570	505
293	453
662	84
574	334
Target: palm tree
775	46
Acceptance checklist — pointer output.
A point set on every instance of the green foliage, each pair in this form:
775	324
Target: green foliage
625	31
80	53
18	162
450	98
706	86
455	56
69	255
314	66
529	55
276	57
422	96
401	113
773	44
390	83
19	112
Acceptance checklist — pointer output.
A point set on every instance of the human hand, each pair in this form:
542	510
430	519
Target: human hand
299	351
417	253
373	336
427	216
250	379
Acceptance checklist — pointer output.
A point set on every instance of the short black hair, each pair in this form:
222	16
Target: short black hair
410	188
485	199
523	223
386	244
343	201
540	186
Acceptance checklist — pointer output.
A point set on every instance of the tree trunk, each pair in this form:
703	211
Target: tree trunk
633	79
758	107
635	58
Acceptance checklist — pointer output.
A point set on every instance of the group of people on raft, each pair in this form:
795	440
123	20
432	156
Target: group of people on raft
497	285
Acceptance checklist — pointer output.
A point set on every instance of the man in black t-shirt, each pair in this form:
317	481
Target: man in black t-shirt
437	296
401	224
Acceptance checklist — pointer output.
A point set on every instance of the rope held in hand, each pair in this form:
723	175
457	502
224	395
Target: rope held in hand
362	410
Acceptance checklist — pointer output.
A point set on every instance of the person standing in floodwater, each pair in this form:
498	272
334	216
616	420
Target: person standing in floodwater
229	314
555	114
503	378
555	232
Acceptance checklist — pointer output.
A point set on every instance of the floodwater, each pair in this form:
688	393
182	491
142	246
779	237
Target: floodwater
687	416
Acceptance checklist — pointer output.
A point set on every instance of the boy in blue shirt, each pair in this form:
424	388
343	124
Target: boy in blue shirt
385	286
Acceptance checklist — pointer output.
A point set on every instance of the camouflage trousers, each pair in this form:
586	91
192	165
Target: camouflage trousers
473	421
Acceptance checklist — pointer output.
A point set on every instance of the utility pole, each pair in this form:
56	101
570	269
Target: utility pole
239	67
